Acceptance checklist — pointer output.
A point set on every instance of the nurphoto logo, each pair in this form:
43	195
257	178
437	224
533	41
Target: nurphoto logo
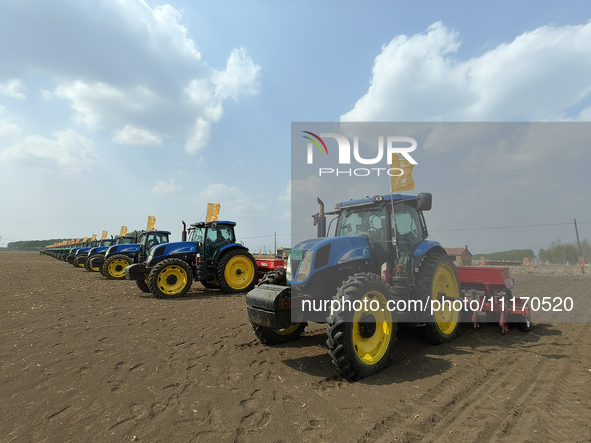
396	149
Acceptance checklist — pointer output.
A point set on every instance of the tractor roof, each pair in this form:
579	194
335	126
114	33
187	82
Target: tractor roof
218	222
376	199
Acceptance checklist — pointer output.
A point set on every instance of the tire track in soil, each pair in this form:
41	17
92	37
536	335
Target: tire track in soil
533	404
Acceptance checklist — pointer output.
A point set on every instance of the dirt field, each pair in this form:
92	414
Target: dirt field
88	359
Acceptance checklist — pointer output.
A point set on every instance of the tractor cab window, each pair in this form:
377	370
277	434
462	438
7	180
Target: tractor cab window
409	232
216	237
370	223
155	240
126	241
196	234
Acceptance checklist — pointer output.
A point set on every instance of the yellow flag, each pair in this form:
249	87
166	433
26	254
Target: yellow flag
84	240
404	181
151	223
105	233
93	238
123	231
213	209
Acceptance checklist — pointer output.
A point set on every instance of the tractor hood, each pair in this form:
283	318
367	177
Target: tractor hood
314	255
120	249
182	247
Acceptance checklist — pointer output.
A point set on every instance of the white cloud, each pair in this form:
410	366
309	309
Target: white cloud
130	135
68	152
13	88
8	129
539	74
166	188
127	64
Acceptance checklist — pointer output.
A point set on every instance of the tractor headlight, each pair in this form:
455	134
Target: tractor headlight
151	254
305	266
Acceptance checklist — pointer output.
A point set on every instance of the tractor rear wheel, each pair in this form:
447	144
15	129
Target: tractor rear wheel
87	264
277	277
236	271
143	284
114	266
170	278
269	337
438	281
360	342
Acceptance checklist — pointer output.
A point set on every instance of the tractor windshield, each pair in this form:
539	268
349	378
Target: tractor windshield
154	239
126	240
196	234
370	222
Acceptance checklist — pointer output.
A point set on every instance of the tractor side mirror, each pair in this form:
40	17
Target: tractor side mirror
424	202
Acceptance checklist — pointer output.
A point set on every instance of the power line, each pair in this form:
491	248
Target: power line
507	227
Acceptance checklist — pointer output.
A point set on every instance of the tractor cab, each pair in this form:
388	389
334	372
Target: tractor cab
151	239
385	223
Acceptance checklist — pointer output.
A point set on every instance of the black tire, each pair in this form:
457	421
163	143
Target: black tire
438	275
236	271
143	285
87	264
277	277
171	278
77	263
357	346
210	285
114	266
270	337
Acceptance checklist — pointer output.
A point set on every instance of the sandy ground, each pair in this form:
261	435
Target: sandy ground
88	359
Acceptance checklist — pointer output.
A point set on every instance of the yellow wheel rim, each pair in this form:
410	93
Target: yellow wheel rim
372	330
80	265
239	272
117	268
172	279
288	330
445	285
95	269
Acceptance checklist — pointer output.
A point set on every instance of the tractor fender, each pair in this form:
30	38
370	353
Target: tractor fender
229	247
423	249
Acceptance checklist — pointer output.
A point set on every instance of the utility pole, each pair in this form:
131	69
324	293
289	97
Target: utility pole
581	259
275	244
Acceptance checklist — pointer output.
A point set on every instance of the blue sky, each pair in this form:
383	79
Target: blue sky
111	111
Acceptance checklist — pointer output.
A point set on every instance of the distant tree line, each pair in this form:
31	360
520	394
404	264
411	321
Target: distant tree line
512	255
33	245
565	253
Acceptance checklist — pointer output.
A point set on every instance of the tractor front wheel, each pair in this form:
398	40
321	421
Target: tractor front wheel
236	271
170	278
114	267
437	282
143	284
87	264
360	342
269	337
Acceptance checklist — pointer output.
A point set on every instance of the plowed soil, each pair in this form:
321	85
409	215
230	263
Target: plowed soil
83	358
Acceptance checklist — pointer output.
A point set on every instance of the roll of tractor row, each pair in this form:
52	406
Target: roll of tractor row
378	271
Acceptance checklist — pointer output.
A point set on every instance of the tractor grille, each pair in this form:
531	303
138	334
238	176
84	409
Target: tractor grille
295	264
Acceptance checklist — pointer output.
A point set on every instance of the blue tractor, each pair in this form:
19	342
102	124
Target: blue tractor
357	281
81	254
93	262
117	257
209	254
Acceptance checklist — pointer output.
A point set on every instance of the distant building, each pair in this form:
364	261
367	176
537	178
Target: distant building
460	256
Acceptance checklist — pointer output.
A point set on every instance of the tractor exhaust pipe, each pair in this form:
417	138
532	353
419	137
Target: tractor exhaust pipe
184	233
320	220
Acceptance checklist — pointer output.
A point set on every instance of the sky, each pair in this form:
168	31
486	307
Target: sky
114	110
